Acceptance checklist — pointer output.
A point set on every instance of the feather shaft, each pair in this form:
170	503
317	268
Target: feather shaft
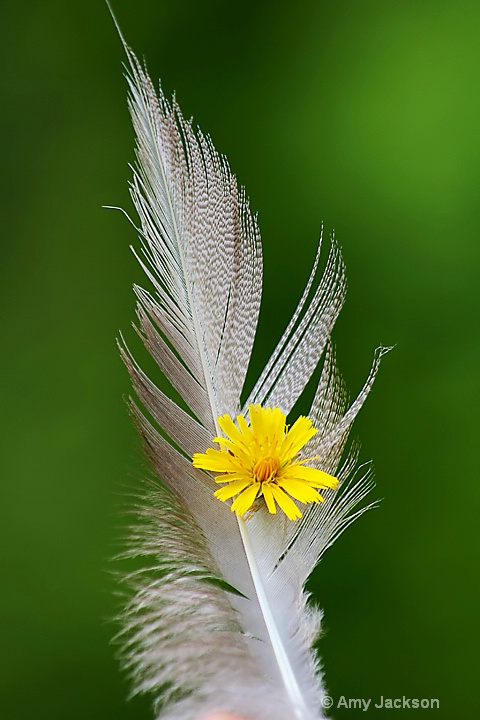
281	655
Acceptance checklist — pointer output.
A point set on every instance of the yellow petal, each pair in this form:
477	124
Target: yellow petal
299	434
215	460
277	428
245	500
231	476
231	431
286	503
244	429
268	495
257	423
300	490
316	478
236	450
231	489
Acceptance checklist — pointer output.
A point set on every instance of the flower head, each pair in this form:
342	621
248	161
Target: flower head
261	459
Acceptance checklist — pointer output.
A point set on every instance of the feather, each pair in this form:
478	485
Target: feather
218	618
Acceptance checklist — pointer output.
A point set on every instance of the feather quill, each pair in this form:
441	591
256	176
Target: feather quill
218	617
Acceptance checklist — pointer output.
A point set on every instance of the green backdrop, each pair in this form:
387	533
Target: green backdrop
364	115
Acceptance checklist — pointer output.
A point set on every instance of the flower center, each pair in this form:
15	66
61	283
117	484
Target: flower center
266	468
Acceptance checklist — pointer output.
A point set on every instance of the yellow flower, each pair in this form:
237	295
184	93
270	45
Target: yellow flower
262	459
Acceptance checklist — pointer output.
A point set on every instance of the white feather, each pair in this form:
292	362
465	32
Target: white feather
218	618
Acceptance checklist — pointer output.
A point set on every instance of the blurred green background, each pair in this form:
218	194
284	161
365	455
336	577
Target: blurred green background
364	115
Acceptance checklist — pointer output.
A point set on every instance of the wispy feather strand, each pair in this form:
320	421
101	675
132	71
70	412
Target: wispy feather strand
219	618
